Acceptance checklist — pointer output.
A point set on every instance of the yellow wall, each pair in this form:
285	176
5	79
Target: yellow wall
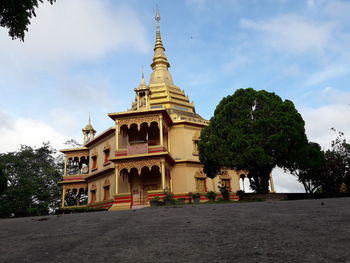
99	147
181	141
99	186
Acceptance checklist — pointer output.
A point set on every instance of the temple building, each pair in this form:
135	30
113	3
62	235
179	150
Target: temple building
151	148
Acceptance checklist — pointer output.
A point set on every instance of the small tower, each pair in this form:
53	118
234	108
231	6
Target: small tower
142	95
88	132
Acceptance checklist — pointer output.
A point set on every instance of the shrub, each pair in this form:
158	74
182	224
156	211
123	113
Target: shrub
211	195
181	201
240	193
196	197
169	198
156	201
224	192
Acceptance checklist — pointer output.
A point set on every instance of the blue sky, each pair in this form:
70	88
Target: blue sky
83	56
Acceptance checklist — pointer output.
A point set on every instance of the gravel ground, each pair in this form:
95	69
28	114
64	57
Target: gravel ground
284	231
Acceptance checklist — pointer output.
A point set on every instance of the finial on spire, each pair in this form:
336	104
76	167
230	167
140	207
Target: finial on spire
157	18
142	83
88	131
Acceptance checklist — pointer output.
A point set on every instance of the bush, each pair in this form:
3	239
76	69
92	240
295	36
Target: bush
211	195
190	197
240	193
181	201
156	201
169	198
196	197
224	192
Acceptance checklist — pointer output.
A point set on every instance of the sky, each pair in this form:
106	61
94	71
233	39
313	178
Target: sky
86	56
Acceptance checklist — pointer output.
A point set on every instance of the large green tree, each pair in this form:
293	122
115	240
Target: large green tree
16	14
33	175
253	131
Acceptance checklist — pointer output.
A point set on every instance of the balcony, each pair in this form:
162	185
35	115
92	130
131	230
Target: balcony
140	148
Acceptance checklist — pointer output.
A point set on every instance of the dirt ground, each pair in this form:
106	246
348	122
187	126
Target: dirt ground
282	231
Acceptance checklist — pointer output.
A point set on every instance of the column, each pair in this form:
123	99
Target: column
162	168
116	135
171	182
161	130
116	179
272	186
65	166
63	195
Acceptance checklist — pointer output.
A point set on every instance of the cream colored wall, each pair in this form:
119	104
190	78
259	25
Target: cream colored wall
235	184
123	185
99	186
99	147
181	141
183	176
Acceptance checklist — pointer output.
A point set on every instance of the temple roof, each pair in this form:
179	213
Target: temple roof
164	94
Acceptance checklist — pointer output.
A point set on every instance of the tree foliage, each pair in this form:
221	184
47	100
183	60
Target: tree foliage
3	181
16	14
309	167
252	131
336	168
33	175
324	171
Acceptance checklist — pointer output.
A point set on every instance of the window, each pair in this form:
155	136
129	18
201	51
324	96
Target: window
227	183
107	151
200	185
93	196
94	162
106	192
195	147
195	140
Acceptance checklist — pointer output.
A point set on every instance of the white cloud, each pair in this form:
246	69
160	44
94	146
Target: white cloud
17	131
71	31
292	33
310	3
320	120
286	182
236	62
327	74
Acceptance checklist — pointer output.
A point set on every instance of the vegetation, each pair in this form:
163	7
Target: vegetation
211	195
16	14
336	169
3	181
32	181
324	171
169	198
253	131
224	192
309	166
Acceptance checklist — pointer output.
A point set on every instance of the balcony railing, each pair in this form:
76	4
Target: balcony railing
139	148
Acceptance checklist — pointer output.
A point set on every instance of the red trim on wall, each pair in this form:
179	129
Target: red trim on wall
73	178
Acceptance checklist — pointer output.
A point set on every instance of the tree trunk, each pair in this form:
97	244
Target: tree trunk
259	179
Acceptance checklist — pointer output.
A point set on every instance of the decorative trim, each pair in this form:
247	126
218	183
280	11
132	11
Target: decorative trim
200	174
138	120
139	164
106	183
94	153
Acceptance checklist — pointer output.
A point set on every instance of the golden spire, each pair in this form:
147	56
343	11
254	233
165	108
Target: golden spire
88	126
88	132
160	62
142	83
